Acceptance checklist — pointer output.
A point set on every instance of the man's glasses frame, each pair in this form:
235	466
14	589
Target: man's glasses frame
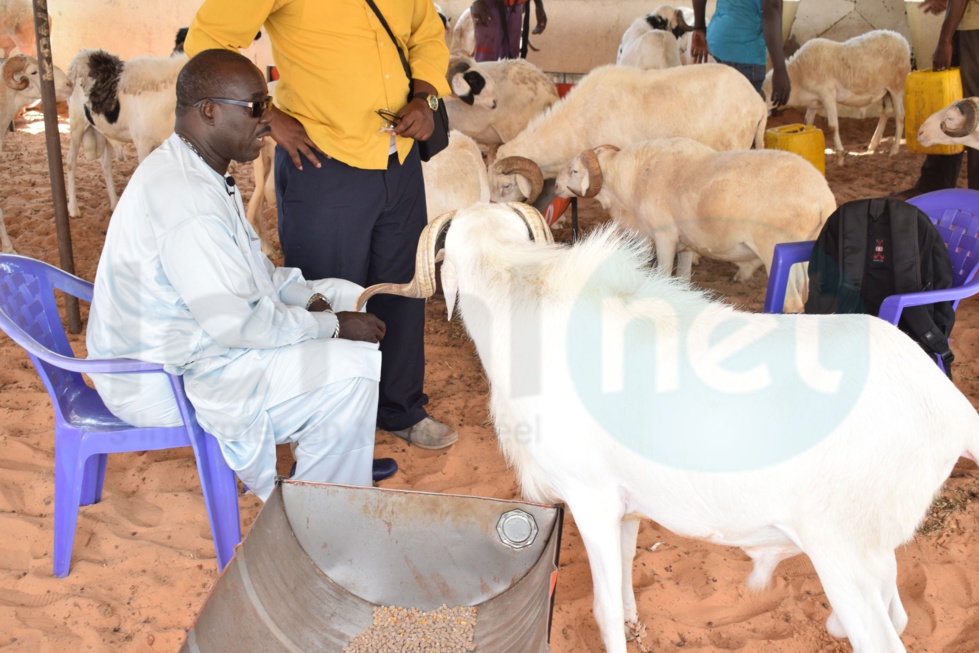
258	108
391	118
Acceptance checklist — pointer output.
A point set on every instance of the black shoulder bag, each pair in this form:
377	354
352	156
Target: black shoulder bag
439	140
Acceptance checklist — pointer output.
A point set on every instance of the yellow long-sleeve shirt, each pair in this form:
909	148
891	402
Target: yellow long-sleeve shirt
337	65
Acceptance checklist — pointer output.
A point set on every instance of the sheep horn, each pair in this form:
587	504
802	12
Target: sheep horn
595	180
524	166
422	286
539	230
13	66
969	108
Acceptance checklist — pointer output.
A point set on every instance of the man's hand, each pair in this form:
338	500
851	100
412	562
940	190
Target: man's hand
480	13
360	326
541	17
781	87
943	56
417	120
933	6
291	135
698	46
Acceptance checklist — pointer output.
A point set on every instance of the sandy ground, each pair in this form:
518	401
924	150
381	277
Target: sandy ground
143	558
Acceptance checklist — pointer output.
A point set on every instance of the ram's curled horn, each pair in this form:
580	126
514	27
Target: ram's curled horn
969	108
12	67
535	222
422	286
589	159
523	166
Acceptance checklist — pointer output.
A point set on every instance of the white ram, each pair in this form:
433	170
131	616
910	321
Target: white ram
464	35
21	86
17	27
654	49
686	197
954	125
493	101
619	105
860	72
781	434
664	19
117	102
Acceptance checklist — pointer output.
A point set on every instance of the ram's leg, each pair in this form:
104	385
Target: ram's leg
881	122
262	170
76	131
600	529
897	100
110	184
746	269
853	586
833	119
665	252
629	534
684	264
890	596
8	247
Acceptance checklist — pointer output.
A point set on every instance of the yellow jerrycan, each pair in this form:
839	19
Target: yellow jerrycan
805	140
925	92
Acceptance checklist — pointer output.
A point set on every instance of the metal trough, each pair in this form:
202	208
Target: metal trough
320	557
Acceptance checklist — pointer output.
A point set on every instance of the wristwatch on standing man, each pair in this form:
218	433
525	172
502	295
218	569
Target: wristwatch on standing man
431	100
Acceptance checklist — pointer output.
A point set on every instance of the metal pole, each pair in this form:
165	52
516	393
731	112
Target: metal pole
55	168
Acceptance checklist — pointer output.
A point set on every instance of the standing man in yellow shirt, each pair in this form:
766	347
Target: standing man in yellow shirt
349	185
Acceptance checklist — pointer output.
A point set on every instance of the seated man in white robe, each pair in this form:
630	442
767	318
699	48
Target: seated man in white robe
267	357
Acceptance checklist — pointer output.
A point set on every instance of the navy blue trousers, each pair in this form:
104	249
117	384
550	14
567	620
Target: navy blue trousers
363	225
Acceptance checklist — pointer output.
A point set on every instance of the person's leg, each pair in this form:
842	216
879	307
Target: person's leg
514	16
489	38
968	42
394	243
333	432
326	217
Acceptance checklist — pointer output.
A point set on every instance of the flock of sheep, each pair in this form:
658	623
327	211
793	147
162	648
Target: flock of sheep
667	150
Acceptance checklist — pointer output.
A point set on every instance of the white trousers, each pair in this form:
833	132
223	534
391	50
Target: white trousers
332	429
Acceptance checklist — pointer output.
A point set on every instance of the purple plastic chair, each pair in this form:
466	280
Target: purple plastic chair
85	432
955	211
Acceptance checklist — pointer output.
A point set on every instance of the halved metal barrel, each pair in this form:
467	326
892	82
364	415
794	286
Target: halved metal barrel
320	557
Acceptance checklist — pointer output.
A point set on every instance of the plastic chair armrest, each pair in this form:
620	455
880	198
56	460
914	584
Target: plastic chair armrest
73	285
786	255
892	307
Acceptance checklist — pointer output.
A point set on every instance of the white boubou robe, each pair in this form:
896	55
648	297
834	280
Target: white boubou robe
182	282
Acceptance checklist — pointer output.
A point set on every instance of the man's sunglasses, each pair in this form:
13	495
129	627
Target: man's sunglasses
258	109
390	117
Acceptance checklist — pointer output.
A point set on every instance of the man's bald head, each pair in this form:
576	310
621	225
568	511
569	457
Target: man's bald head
211	73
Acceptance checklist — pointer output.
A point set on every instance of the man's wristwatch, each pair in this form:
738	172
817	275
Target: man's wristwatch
432	100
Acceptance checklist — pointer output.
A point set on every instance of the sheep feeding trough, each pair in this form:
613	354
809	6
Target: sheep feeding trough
319	558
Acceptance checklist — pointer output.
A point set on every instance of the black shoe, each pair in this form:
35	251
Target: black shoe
384	468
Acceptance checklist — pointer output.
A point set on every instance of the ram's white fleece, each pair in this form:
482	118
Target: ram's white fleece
848	500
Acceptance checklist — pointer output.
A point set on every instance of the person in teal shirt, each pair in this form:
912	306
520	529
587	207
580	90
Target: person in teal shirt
739	34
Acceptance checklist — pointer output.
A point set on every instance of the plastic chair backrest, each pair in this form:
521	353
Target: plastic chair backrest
29	315
955	213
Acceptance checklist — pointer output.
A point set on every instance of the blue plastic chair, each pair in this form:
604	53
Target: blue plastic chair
955	211
85	432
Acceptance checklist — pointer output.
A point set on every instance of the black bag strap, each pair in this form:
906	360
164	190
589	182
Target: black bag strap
905	240
906	259
404	60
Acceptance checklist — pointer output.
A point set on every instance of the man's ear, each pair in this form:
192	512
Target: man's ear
206	109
